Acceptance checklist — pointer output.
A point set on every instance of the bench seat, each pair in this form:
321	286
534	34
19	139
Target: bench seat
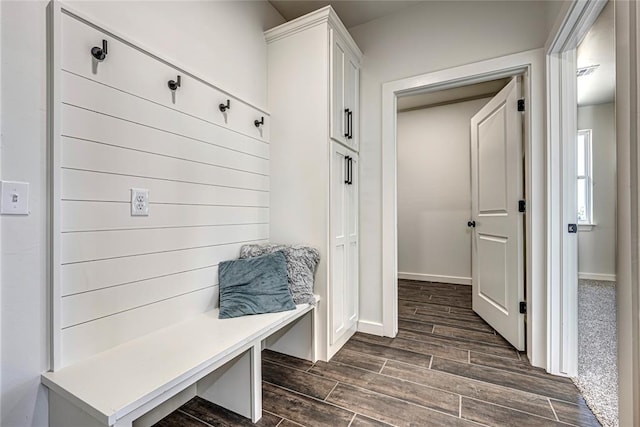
119	385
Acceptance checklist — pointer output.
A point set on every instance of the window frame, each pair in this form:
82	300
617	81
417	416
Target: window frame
588	176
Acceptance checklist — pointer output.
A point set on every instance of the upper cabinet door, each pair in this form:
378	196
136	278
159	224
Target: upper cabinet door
345	73
339	114
351	101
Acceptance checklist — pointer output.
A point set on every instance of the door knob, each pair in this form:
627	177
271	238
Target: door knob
471	224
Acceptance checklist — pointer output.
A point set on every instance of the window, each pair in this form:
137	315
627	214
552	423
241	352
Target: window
585	184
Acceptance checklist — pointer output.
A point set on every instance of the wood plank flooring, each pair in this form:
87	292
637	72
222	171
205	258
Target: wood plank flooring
446	367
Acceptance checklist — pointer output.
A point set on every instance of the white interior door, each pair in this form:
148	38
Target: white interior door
498	236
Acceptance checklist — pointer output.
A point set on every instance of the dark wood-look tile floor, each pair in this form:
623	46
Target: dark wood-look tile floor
446	367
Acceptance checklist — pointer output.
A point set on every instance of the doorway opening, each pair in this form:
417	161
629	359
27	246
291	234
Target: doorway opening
460	184
596	206
531	65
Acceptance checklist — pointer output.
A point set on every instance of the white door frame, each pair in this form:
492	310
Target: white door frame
627	21
530	63
562	252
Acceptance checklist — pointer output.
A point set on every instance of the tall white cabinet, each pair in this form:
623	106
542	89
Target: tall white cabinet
313	84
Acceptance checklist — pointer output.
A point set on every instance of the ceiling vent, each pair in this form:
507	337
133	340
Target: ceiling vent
585	71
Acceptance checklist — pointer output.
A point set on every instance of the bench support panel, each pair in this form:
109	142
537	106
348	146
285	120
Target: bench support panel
295	339
236	386
166	408
63	413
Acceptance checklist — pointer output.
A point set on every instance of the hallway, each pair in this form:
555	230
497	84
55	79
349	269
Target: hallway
446	367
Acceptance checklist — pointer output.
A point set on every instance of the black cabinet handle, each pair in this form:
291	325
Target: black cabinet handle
346	169
350	136
471	224
346	122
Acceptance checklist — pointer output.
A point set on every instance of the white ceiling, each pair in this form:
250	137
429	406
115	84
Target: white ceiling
598	47
351	12
448	96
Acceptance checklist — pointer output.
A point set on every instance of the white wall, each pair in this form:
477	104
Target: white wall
434	192
423	38
222	41
597	248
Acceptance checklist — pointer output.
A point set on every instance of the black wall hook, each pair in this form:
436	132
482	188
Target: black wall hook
224	107
259	123
100	53
174	84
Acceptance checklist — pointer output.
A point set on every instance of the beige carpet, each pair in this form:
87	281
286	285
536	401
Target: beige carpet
598	353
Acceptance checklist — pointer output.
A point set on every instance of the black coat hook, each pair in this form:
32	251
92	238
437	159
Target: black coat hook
224	107
100	53
259	123
174	84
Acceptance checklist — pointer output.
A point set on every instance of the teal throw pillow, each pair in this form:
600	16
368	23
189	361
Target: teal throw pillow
254	286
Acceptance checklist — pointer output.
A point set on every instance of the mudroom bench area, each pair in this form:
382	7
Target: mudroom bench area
146	379
166	193
159	181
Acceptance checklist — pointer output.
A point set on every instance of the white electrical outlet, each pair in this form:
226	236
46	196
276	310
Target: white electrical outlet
139	202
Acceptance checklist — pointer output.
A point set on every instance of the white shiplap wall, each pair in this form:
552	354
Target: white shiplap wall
116	126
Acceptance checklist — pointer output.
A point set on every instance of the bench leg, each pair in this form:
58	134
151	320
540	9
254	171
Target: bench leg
256	382
237	385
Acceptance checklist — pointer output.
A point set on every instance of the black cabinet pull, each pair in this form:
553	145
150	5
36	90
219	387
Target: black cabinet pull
346	169
346	123
258	123
471	224
350	125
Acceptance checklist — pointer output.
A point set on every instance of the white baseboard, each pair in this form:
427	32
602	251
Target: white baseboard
455	280
597	276
373	328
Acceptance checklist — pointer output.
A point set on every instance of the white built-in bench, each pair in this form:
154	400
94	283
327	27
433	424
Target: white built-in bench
145	379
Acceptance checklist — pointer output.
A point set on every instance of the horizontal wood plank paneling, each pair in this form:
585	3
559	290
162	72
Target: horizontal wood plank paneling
132	71
97	186
90	246
89	338
87	306
119	276
99	216
84	155
88	276
94	96
88	125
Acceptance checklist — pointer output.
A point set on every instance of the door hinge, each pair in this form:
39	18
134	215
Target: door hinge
523	307
521	104
522	206
573	228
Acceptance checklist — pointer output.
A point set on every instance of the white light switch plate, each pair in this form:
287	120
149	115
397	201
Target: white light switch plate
139	202
14	198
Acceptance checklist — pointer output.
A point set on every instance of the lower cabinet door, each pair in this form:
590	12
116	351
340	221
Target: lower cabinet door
343	289
353	261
